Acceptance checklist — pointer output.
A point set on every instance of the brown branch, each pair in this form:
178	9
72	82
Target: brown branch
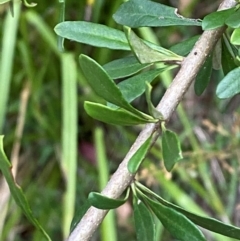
122	178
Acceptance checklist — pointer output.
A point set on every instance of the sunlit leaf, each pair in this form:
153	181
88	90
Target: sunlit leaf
115	117
171	149
216	19
235	37
203	76
229	85
124	67
138	157
16	190
176	223
146	54
144	224
92	34
142	13
103	202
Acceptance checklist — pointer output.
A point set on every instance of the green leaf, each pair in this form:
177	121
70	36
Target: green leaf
235	37
79	214
16	191
124	67
211	224
115	117
4	1
92	34
104	86
216	19
229	85
147	54
133	87
171	149
176	223
103	202
183	48
233	20
203	76
142	13
144	224
138	157
228	62
151	108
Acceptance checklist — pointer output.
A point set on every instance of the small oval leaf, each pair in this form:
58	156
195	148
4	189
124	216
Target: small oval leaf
102	202
137	158
233	21
229	85
144	224
176	223
115	117
171	149
216	19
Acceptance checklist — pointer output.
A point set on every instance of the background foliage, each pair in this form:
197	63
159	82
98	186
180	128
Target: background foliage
205	182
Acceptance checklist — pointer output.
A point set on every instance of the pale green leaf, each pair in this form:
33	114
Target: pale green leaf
235	37
147	54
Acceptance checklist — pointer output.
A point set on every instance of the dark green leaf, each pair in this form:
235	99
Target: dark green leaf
16	191
92	34
229	85
203	76
133	87
183	48
124	67
137	158
144	224
235	37
151	108
171	149
142	13
104	86
228	62
233	20
176	223
211	224
147	54
115	117
102	202
216	19
79	214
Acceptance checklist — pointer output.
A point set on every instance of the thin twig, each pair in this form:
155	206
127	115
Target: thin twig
174	94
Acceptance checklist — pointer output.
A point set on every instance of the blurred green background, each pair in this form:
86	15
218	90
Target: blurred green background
61	154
